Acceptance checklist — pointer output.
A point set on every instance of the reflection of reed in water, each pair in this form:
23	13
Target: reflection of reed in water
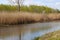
9	31
21	30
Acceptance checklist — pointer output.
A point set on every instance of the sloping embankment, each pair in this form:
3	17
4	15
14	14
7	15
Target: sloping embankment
50	36
20	18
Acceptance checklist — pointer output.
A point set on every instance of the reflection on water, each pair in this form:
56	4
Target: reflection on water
10	38
27	31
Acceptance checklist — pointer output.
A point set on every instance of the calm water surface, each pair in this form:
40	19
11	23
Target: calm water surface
27	31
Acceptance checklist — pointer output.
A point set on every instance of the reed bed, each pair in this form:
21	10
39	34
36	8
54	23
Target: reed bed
25	17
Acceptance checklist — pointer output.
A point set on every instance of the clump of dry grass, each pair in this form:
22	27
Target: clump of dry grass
16	18
53	17
24	17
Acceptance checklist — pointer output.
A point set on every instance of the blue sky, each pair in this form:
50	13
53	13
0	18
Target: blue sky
50	3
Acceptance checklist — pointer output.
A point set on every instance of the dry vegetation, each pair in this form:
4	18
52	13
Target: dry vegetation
25	17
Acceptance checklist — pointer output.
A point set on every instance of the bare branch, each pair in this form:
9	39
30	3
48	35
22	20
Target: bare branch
18	2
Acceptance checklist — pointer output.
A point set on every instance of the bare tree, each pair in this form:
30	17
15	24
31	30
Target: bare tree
19	3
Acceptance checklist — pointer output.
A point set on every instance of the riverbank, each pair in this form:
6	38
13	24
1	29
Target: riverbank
25	17
50	36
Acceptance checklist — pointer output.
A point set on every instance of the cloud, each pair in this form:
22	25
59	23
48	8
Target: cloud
57	3
49	0
32	2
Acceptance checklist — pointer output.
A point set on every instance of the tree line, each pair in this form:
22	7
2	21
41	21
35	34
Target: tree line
31	8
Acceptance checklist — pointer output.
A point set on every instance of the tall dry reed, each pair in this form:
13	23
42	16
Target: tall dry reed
24	17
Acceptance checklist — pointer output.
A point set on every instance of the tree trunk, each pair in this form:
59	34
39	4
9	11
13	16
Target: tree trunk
18	5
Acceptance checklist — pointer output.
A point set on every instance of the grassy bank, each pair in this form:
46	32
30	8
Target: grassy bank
50	36
25	17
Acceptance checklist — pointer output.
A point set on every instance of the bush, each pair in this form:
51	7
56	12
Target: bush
31	8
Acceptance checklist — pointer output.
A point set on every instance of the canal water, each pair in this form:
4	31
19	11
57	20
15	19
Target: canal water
27	31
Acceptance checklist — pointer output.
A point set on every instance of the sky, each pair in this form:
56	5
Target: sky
50	3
